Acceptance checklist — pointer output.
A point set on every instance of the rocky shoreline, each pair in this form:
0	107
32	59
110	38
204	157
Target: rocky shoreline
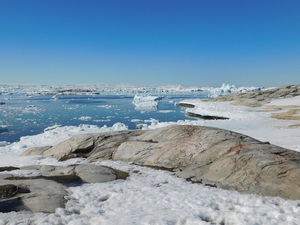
259	98
255	100
200	154
210	156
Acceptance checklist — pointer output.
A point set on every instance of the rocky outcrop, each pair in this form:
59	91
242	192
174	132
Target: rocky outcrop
259	98
35	151
35	195
46	192
186	105
93	146
218	158
95	174
206	117
206	155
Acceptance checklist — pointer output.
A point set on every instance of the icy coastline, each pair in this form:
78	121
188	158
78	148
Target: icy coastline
122	89
157	197
160	197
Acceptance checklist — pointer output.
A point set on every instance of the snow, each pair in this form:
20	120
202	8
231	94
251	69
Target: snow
151	196
157	197
284	101
246	120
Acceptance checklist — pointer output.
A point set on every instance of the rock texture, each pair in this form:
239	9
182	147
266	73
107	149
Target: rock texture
218	158
206	155
35	195
35	151
259	98
95	174
46	192
206	117
93	146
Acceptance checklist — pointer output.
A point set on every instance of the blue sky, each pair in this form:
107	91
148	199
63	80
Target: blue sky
150	42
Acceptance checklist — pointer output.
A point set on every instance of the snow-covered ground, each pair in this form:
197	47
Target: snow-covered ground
151	196
246	120
157	197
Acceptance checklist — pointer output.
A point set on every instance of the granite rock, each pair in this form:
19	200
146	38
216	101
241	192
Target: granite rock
200	154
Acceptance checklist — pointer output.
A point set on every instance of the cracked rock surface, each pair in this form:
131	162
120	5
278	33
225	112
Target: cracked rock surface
206	155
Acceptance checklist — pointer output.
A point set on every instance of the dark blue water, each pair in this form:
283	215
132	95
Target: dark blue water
29	115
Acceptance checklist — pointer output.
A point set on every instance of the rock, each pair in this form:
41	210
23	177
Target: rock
8	168
10	205
95	174
35	195
218	158
206	117
35	151
8	191
259	98
107	143
206	155
94	146
49	170
186	105
79	144
45	195
46	192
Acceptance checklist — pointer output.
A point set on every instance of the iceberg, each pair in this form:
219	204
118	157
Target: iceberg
146	103
226	89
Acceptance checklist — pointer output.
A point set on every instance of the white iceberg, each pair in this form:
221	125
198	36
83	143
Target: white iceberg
146	103
226	89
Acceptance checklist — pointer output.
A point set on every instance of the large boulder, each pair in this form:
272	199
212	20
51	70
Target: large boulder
45	195
218	158
35	195
94	146
46	192
95	174
206	155
35	151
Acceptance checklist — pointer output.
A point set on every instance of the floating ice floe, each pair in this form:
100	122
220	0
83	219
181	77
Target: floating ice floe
105	106
146	103
55	98
85	118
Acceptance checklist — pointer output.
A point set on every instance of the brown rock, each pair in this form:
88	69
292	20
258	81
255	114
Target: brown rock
207	155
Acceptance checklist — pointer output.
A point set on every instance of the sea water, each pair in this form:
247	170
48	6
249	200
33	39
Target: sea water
23	115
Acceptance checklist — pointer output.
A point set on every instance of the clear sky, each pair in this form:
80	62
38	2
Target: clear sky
150	42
